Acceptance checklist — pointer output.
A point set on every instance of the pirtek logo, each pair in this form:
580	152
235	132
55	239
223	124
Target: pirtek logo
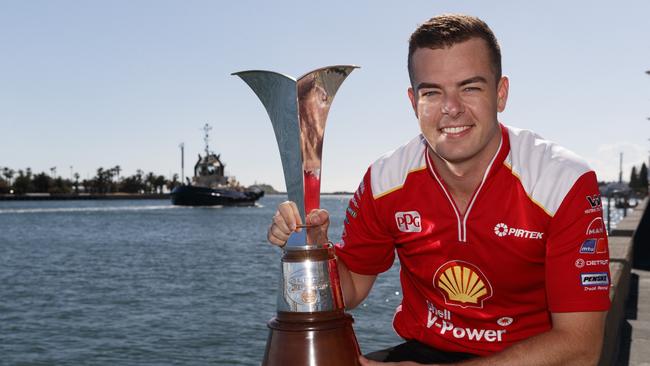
408	222
502	230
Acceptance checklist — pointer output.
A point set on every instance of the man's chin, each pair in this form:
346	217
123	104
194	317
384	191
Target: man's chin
455	156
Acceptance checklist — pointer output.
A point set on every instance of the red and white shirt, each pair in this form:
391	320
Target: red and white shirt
531	242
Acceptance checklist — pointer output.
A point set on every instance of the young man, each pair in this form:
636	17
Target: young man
499	233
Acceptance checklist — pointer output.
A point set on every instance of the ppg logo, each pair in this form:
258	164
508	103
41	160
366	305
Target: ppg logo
408	222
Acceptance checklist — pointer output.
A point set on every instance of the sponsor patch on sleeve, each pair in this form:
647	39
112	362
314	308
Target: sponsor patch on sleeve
594	279
595	204
591	246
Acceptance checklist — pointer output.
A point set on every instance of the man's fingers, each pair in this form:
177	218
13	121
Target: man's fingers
280	223
318	217
289	213
276	236
285	221
296	213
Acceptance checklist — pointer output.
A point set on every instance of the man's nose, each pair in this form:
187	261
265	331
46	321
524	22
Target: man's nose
452	106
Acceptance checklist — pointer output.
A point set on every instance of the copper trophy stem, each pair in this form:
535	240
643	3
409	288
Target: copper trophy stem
311	326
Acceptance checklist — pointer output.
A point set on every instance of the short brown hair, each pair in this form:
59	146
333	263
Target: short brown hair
446	30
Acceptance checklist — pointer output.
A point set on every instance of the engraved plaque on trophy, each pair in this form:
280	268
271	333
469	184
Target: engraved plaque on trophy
311	326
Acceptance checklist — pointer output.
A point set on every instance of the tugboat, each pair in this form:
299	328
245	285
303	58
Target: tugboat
210	187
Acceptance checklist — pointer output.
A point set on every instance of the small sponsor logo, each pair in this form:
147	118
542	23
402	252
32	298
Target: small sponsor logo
588	246
594	201
352	212
594	279
590	263
462	284
408	222
595	204
595	288
596	227
505	321
598	262
591	246
502	230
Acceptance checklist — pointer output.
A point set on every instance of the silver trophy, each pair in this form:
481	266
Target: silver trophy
311	327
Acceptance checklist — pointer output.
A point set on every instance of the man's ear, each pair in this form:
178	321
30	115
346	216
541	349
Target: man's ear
414	102
502	93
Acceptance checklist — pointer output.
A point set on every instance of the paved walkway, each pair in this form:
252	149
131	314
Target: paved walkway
635	340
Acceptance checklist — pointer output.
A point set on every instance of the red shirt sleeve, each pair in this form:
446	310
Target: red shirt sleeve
577	256
366	246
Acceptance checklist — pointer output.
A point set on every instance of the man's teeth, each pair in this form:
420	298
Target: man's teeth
455	129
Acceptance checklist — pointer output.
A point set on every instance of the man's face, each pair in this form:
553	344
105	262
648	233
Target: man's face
456	99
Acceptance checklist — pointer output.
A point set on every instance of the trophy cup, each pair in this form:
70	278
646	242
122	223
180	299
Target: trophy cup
311	326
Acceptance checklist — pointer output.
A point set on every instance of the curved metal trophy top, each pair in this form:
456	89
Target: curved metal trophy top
298	110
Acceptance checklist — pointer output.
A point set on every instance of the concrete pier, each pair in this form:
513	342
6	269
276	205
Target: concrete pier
627	333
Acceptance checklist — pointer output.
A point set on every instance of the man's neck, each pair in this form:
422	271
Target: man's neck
463	178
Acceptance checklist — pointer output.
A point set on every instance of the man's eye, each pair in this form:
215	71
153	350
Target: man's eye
472	89
430	93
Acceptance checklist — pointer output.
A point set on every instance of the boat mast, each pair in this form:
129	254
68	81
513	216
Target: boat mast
206	138
182	146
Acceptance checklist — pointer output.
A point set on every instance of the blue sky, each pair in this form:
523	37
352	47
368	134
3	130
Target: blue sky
93	84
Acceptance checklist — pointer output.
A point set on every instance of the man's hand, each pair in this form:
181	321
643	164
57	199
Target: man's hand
287	220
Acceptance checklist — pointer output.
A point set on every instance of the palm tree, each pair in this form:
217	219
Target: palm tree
150	181
23	183
160	183
8	174
76	183
117	169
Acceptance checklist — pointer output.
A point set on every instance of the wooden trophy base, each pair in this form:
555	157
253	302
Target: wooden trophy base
311	339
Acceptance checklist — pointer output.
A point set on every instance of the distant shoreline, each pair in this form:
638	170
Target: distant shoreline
114	196
61	197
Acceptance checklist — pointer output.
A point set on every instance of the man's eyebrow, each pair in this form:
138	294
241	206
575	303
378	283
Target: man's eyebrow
475	79
427	85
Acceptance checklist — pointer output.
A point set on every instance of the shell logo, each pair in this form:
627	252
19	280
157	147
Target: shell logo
462	284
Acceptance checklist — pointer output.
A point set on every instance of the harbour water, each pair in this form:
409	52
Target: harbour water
147	283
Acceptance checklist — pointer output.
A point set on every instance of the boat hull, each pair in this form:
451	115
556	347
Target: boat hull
203	196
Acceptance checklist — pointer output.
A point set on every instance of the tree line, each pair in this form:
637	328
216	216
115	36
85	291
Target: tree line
639	181
23	181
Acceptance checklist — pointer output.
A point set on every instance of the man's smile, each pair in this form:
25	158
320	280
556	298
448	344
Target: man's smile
455	130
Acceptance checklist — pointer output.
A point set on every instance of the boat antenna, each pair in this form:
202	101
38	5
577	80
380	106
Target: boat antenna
206	138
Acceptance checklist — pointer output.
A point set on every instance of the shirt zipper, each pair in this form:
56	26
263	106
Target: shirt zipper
462	224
